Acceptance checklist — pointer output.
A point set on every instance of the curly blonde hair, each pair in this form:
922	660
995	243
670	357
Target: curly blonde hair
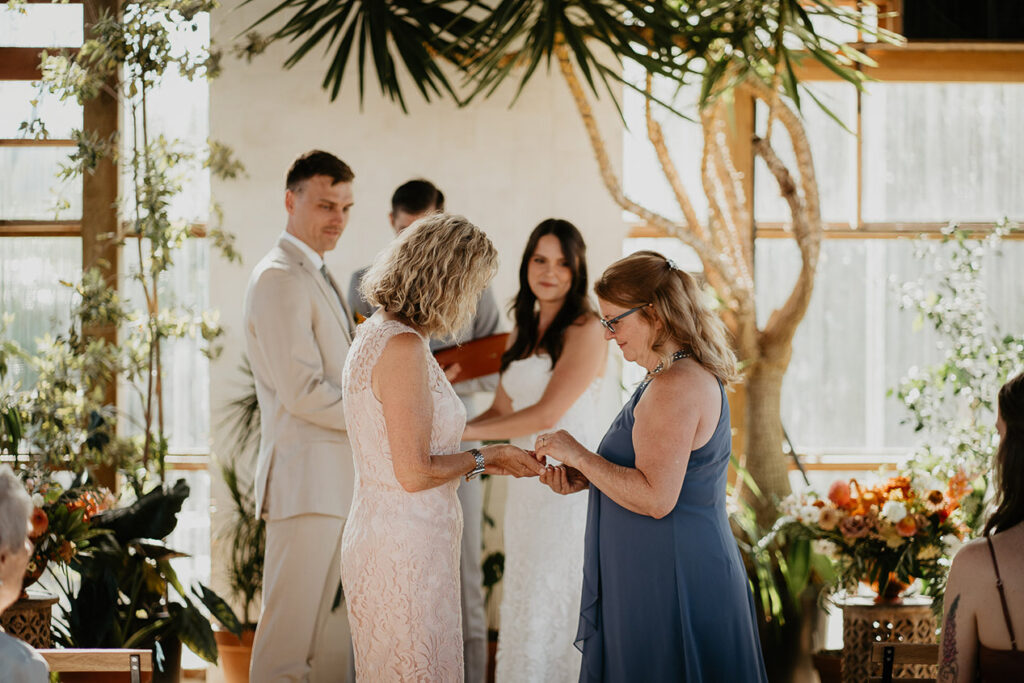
647	277
433	273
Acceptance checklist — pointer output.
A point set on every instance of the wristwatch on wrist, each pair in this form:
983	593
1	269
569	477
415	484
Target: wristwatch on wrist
479	469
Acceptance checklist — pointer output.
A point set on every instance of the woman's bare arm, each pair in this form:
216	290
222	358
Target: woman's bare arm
581	361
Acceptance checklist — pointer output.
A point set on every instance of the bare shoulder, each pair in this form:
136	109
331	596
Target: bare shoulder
405	344
685	386
972	561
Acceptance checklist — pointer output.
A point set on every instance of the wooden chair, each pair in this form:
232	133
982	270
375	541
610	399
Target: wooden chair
892	654
134	662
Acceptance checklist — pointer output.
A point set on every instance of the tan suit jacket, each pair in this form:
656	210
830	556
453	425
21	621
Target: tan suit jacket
297	336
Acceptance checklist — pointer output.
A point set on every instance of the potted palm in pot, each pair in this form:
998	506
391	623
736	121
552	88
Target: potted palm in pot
246	544
245	536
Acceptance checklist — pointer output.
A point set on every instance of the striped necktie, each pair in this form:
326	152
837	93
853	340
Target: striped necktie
330	283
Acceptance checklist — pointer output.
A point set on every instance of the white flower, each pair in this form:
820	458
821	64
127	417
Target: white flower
952	544
894	511
825	547
38	500
807	513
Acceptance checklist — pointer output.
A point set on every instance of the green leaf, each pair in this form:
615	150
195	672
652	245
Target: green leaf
220	609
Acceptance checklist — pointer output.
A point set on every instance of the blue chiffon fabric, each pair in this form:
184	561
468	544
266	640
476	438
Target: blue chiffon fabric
667	599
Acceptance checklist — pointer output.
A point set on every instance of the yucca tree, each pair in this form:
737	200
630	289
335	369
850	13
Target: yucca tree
462	49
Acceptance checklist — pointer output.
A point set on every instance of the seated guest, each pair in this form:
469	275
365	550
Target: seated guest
984	601
19	663
665	594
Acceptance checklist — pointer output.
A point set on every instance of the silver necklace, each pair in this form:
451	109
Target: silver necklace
678	355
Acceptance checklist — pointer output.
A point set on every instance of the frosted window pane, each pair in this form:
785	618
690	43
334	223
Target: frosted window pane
16	106
943	151
30	188
643	179
56	25
179	110
855	344
833	149
186	369
823	394
192	535
31	269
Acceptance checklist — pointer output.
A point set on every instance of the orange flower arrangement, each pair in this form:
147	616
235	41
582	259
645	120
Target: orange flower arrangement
60	523
886	534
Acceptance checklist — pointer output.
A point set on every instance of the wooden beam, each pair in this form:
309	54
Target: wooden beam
99	198
20	63
884	230
772	230
32	142
933	62
15	228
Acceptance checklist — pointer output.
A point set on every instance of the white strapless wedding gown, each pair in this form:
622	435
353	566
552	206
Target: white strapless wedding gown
544	532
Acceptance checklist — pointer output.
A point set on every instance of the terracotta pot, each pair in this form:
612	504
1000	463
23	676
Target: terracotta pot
234	654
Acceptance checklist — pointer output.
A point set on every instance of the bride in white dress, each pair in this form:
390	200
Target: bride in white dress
556	374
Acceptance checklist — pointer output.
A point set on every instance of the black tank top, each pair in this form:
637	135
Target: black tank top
996	666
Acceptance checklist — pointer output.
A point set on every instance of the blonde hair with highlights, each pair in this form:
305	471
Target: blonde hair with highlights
433	273
647	277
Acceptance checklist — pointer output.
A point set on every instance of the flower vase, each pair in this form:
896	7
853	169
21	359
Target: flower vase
892	594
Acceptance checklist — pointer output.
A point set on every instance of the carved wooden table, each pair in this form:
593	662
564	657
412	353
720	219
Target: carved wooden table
29	619
866	623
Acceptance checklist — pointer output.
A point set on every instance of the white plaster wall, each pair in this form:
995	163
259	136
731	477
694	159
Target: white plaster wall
504	168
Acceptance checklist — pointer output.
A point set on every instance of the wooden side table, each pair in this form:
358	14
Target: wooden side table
866	623
29	619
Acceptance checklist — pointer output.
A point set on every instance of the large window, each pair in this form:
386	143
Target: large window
41	242
913	157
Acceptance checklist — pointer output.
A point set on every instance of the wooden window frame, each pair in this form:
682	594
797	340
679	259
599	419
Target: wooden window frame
99	191
919	62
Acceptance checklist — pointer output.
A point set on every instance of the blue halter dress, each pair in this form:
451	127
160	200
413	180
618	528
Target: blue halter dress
667	599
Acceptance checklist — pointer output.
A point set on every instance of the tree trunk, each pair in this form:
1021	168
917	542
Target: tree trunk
764	458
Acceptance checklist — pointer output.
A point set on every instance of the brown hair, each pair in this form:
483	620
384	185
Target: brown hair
314	163
433	273
1009	459
647	277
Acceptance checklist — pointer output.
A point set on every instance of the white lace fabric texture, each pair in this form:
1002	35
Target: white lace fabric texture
400	550
544	540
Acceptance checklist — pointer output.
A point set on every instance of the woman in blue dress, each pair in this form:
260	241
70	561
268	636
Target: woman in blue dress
665	594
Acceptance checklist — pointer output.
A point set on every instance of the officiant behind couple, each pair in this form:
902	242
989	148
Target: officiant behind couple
400	549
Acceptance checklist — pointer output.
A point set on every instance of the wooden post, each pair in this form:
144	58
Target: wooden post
740	138
99	213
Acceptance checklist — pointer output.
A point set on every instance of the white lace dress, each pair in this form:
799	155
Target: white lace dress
543	577
400	550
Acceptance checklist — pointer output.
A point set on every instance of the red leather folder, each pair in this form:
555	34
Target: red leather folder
476	358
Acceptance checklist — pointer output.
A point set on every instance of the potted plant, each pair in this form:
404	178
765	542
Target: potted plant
67	419
125	583
246	538
245	534
885	535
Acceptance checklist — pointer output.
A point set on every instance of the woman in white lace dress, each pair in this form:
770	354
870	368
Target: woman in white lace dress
554	376
400	547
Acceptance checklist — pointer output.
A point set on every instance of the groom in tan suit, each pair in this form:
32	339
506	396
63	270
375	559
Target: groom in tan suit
298	331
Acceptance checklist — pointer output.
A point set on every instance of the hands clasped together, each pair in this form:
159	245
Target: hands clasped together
517	462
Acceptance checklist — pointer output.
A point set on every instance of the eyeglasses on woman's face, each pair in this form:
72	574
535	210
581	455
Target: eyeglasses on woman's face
610	324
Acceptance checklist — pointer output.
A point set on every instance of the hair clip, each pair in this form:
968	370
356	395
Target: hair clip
671	264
